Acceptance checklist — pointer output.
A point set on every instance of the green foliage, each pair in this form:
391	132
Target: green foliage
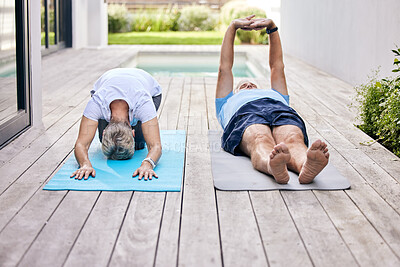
171	37
51	38
239	9
197	18
117	18
380	108
51	19
161	20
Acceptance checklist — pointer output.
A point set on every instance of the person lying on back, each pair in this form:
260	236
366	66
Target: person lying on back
259	122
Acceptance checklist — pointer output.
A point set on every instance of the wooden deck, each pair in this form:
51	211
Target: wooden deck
198	226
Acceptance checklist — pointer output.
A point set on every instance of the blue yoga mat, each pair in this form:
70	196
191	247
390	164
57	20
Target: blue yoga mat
116	175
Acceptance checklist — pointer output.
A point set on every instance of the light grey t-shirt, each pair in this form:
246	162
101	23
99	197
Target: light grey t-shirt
135	86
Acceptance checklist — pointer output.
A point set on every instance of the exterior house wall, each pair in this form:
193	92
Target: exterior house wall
89	23
35	62
347	39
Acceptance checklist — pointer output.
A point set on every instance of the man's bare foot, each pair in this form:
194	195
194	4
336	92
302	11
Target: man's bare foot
279	157
317	159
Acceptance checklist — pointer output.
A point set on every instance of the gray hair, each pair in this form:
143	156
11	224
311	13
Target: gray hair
242	82
118	141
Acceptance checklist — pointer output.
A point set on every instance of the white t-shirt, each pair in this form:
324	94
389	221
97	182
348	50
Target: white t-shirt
135	86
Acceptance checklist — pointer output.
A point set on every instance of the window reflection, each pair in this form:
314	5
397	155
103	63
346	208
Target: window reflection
8	81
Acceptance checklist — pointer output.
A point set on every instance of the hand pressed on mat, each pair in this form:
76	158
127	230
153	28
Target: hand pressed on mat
145	171
84	172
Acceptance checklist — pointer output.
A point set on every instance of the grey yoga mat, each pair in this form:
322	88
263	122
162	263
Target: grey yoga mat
237	173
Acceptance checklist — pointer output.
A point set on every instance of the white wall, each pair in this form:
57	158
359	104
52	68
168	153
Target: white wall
36	64
89	23
271	8
97	24
79	23
346	38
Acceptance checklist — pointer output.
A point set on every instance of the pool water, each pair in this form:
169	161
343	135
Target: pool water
193	71
8	70
189	64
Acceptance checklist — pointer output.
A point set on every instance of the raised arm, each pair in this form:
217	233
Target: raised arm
225	76
151	133
278	80
87	130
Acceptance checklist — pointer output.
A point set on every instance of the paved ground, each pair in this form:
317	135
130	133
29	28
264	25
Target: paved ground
198	226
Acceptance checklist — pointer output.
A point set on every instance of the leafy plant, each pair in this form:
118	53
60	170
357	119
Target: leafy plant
380	108
197	18
117	18
239	9
160	20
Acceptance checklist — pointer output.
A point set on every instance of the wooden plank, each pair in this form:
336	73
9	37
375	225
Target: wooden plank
19	144
16	196
13	169
324	244
321	84
384	219
378	153
53	244
345	126
336	139
363	240
96	62
167	248
183	118
169	115
240	238
366	244
136	244
386	185
308	83
280	237
199	240
95	243
18	234
164	83
296	92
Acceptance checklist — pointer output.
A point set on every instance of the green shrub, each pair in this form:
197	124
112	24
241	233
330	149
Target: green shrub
239	9
117	18
197	18
142	21
379	108
51	19
160	20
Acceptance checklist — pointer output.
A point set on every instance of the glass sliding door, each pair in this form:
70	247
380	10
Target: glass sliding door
56	24
14	72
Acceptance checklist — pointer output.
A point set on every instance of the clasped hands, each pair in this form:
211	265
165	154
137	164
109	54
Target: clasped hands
249	23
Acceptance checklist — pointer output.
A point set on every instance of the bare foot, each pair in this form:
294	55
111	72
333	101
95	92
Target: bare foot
317	159
279	157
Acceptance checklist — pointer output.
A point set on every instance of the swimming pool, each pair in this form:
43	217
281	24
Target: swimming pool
181	64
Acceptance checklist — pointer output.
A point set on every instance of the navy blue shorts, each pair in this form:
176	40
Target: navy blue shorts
265	111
